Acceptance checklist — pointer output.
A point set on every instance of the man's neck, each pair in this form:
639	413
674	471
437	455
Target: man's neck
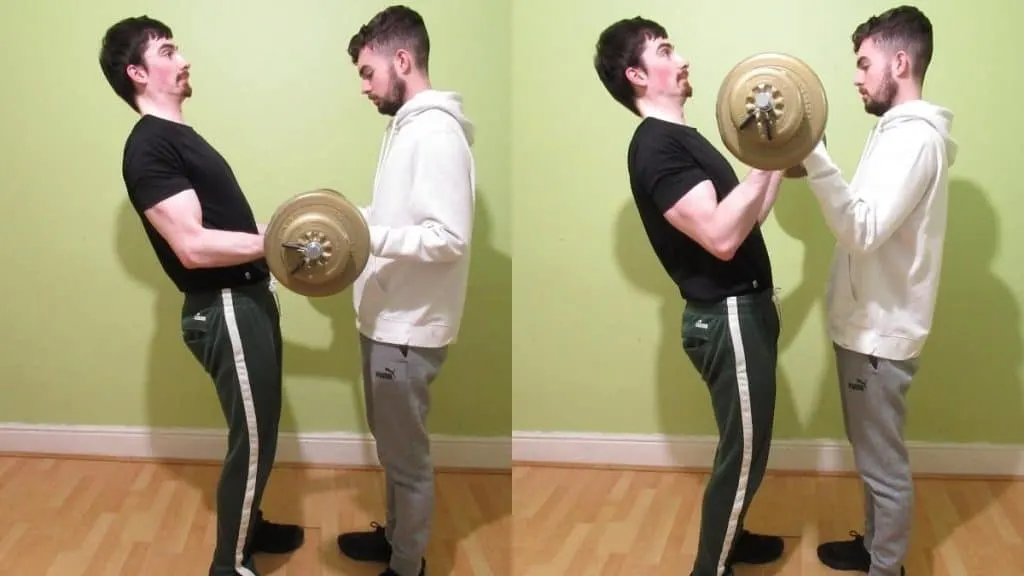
168	110
908	94
667	111
414	85
909	91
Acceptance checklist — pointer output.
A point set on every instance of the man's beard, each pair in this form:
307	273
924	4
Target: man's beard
186	88
395	98
882	104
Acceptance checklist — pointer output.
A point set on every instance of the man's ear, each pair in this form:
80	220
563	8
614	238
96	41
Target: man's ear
403	61
636	76
901	65
136	73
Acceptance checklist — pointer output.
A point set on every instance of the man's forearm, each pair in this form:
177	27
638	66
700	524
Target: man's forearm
770	195
215	248
736	216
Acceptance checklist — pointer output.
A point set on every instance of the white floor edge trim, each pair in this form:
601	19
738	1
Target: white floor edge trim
828	456
352	449
329	448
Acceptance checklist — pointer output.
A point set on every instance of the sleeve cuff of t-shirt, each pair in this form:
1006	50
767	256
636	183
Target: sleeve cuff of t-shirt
671	190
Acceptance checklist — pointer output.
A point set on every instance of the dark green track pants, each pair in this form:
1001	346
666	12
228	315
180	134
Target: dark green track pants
734	346
236	335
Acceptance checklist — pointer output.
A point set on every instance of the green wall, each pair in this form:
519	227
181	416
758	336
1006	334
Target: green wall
90	322
90	330
597	321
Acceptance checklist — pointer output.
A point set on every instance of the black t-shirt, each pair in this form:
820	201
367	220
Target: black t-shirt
665	161
163	158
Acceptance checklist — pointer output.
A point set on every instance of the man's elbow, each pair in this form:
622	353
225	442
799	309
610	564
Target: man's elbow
724	251
722	246
186	248
458	248
861	242
866	247
451	249
190	261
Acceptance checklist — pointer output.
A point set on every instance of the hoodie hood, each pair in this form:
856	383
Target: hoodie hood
414	109
941	119
446	101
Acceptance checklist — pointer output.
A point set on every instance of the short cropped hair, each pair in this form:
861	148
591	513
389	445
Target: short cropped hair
620	47
395	27
123	45
902	28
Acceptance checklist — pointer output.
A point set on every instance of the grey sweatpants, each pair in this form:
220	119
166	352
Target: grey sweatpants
396	383
874	398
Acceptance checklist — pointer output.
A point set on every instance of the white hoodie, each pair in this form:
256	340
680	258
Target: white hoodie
413	289
889	223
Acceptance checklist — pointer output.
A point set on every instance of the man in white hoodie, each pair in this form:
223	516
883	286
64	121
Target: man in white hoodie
889	223
409	301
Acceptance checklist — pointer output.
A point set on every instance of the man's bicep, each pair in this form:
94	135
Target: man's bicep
176	217
692	212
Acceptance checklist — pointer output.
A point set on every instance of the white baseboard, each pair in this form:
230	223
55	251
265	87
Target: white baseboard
822	456
329	448
641	450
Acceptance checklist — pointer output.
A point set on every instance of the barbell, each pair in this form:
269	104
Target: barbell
317	243
771	111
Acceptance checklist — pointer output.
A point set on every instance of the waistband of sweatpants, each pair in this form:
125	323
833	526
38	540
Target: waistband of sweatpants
263	289
749	301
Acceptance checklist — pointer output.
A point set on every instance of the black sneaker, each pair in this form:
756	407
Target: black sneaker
848	555
369	546
753	548
390	572
271	538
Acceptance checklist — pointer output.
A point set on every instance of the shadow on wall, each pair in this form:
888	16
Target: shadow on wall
970	377
969	380
473	393
798	215
678	383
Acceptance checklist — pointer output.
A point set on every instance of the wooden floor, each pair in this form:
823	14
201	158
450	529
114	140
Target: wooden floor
97	518
608	522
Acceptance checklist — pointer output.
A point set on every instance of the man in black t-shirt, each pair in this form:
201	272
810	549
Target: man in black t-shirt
204	234
703	224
